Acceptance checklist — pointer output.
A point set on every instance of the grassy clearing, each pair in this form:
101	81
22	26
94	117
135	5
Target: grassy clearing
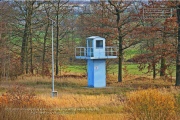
128	68
131	68
76	68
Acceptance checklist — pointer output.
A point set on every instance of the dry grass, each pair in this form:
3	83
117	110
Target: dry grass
17	114
75	101
66	106
137	82
151	104
97	117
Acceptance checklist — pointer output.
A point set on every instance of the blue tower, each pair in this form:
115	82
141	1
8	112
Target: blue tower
96	54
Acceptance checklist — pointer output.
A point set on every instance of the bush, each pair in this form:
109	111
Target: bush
20	103
20	97
150	105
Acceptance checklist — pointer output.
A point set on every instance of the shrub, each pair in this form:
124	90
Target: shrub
20	103
150	105
19	96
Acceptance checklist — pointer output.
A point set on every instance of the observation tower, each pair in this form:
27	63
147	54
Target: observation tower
96	54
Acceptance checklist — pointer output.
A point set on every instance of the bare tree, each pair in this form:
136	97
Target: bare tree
125	25
60	11
25	11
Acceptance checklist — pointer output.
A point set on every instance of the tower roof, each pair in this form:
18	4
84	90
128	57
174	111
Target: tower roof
92	37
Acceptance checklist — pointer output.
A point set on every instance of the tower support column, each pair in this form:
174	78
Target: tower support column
96	72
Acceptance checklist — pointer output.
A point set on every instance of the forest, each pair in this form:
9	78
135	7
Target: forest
38	43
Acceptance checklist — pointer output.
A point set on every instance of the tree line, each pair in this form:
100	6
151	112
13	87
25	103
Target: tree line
25	34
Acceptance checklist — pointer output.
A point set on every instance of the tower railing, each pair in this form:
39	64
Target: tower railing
80	51
88	51
111	51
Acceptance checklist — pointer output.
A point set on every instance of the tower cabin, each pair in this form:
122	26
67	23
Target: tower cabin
96	54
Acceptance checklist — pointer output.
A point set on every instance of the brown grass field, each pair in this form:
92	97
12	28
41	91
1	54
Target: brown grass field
29	97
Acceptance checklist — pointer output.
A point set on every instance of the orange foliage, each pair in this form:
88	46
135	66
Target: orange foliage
151	105
19	96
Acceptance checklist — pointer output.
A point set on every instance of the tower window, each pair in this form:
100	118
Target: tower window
99	43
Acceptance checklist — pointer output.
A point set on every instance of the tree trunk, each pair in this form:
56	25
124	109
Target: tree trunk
154	70
27	58
23	48
178	49
163	61
57	45
120	60
162	69
57	36
44	48
29	36
31	52
154	63
120	39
